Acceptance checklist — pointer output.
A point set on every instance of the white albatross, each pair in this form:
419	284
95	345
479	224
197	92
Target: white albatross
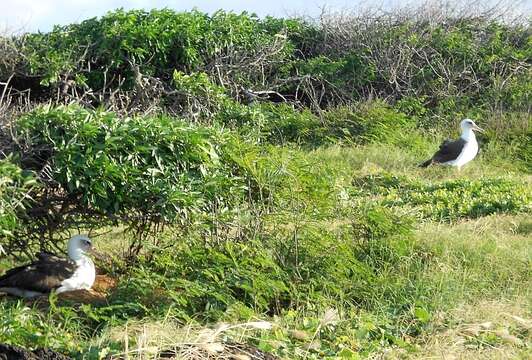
50	272
458	152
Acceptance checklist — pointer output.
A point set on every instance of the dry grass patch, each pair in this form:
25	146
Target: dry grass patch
485	330
170	340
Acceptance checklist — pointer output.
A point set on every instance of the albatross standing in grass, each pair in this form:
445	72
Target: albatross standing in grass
458	152
50	272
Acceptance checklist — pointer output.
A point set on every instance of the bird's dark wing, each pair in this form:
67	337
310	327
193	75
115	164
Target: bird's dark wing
43	275
45	257
449	150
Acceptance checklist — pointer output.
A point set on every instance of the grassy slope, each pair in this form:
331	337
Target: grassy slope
480	277
478	273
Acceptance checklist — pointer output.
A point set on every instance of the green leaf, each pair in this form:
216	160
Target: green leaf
422	314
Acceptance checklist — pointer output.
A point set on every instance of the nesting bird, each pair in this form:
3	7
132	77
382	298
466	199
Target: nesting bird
50	272
458	152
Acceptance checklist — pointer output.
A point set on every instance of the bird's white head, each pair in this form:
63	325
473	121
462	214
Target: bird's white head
468	124
79	245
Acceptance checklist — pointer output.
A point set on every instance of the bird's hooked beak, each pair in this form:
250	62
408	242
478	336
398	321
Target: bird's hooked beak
477	128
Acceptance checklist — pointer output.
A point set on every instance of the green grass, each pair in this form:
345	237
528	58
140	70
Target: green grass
304	228
319	244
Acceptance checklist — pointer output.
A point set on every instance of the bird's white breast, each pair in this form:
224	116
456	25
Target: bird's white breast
83	277
468	153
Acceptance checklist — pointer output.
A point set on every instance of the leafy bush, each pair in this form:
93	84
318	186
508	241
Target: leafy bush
15	187
342	79
158	41
370	122
153	165
453	65
202	98
134	170
448	200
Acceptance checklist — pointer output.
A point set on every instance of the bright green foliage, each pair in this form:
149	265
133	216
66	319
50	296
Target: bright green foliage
201	96
207	280
15	189
372	122
448	200
199	86
24	326
159	41
273	123
454	65
157	167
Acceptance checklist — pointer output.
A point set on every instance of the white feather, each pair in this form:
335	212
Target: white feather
468	153
83	277
470	149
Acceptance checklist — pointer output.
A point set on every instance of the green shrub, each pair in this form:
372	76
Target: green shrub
341	77
273	123
458	65
371	122
158	41
201	98
412	106
284	124
16	186
153	165
136	171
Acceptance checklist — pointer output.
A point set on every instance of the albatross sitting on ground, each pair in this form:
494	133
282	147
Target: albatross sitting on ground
458	152
50	272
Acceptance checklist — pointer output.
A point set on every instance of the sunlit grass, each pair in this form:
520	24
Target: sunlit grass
420	294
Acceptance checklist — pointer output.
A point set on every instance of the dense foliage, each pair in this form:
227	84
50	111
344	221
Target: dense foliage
448	63
267	168
15	187
100	169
